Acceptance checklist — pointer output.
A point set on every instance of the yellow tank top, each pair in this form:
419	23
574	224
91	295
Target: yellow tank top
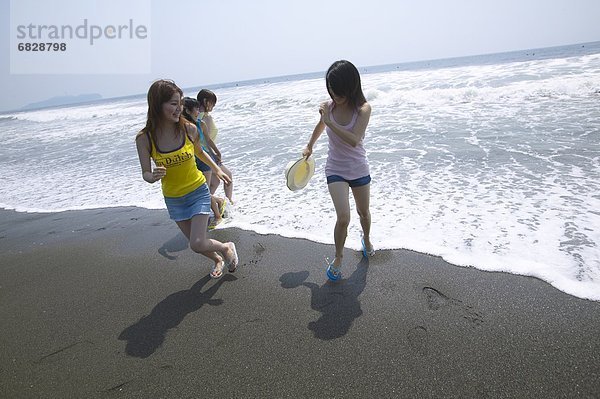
182	176
213	130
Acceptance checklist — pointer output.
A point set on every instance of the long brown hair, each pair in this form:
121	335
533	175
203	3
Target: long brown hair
159	93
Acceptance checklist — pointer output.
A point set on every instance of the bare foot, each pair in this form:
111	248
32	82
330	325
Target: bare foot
231	257
217	271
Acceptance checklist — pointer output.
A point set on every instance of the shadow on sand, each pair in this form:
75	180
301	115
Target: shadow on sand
338	302
148	334
175	244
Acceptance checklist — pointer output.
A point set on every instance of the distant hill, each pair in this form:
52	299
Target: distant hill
62	100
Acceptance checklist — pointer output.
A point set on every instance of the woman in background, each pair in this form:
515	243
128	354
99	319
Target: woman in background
191	112
208	100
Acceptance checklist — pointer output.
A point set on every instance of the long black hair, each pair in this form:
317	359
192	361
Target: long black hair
343	80
188	105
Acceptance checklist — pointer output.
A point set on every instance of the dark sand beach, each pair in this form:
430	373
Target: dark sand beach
112	303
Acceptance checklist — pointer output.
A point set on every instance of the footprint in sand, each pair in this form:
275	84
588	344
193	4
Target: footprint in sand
437	300
259	249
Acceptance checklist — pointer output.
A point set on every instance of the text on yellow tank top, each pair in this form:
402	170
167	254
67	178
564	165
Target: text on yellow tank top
182	176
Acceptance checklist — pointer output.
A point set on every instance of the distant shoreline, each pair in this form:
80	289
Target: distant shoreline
62	101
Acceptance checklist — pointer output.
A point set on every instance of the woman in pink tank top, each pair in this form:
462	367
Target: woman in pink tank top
345	120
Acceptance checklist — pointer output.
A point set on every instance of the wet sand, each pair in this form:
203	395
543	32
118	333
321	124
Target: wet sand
112	303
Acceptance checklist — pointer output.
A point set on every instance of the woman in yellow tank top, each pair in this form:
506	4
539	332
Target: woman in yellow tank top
172	143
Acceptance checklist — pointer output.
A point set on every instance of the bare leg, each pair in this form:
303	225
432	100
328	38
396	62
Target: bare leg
186	226
214	203
362	198
228	188
215	206
339	194
214	183
195	230
208	176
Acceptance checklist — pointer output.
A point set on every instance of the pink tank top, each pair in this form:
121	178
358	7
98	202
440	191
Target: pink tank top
343	159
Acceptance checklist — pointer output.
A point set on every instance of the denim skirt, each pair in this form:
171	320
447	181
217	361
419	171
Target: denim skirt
195	203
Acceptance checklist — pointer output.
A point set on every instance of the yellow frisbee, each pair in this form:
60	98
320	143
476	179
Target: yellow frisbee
298	173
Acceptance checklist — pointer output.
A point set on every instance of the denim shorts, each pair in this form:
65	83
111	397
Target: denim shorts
202	167
361	181
195	203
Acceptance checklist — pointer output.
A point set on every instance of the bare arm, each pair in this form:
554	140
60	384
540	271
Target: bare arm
143	148
318	130
354	136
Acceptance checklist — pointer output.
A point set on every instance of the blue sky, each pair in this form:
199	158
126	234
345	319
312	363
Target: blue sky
200	43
